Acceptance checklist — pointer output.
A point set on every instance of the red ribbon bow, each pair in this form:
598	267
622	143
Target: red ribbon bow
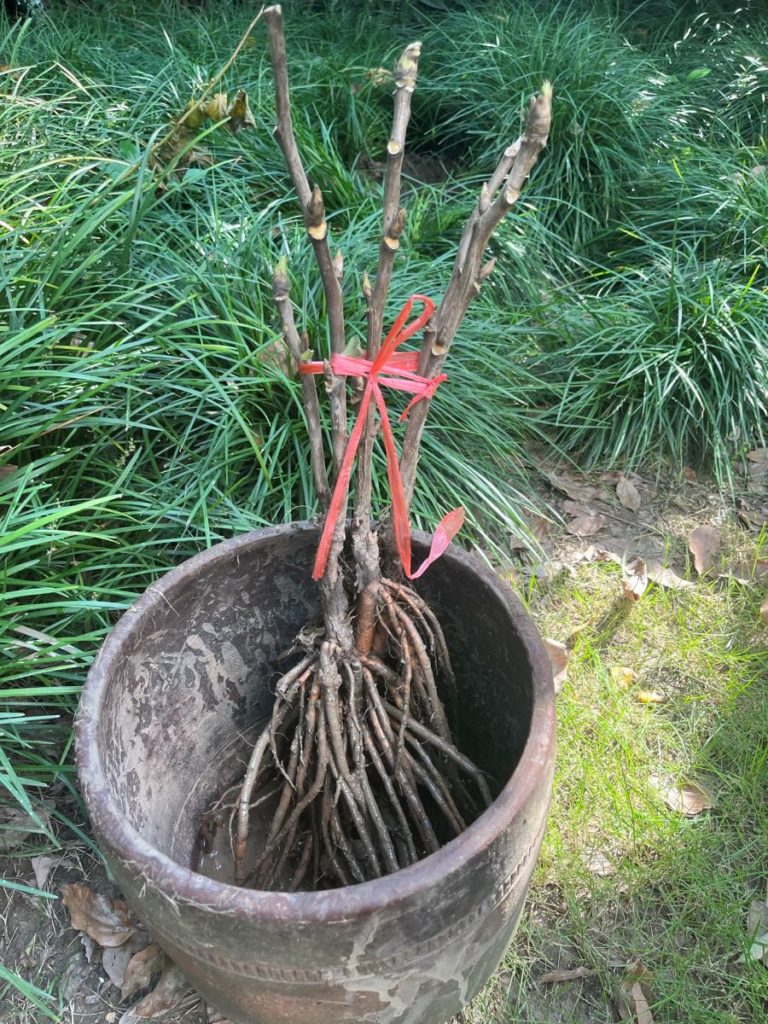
398	371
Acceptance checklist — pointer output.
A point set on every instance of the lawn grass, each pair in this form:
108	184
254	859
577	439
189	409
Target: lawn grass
676	890
145	416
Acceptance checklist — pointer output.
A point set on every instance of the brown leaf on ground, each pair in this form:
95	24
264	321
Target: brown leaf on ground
752	518
169	991
611	476
586	526
634	580
140	970
558	657
623	676
758	471
104	920
539	526
599	864
633	1006
764	613
577	509
704	543
628	494
649	697
747	572
16	826
575	490
757	931
666	577
43	866
634	996
688	798
553	977
73	981
594	553
115	962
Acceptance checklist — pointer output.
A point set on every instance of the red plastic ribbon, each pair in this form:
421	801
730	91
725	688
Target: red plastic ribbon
393	370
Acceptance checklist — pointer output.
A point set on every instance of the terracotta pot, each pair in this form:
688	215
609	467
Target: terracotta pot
168	709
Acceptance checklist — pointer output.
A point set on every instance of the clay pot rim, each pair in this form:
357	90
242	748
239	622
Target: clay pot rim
178	882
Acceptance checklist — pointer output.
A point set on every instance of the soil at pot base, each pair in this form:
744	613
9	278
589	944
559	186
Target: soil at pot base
169	716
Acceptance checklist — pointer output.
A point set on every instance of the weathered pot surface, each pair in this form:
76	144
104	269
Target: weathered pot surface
166	716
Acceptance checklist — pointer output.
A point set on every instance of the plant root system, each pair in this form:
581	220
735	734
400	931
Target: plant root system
357	767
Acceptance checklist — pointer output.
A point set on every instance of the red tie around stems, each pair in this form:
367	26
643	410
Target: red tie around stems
398	371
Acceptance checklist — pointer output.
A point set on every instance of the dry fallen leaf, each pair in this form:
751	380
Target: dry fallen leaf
758	471
240	115
704	543
558	656
115	961
665	577
688	798
576	491
597	554
199	157
140	970
623	676
634	996
757	930
577	509
751	517
747	572
599	864
540	527
169	991
634	581
16	826
88	945
764	613
74	980
649	697
552	977
276	354
43	866
586	526
216	107
104	920
628	494
379	77
633	1005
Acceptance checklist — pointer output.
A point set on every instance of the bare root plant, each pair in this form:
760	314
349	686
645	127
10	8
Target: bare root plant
357	769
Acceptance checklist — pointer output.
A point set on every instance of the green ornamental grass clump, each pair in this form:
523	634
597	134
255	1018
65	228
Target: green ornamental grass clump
670	356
